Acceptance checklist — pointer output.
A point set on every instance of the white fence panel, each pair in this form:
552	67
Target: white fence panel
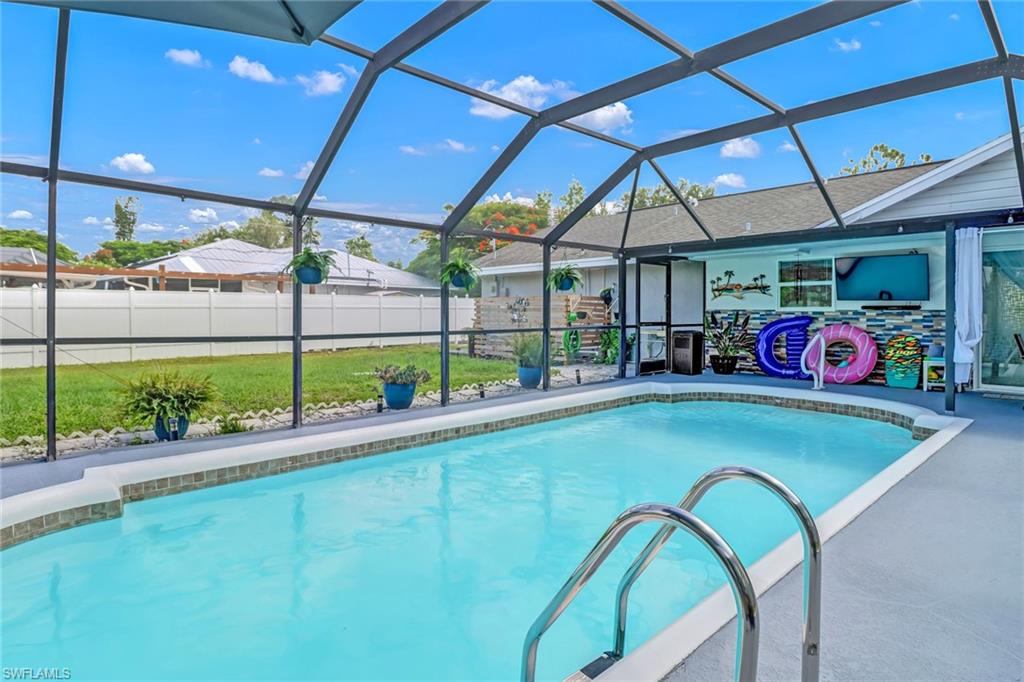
99	313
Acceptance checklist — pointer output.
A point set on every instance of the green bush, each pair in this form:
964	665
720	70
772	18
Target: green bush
166	394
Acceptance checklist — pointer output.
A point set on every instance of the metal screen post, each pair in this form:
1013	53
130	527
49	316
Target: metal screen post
622	316
60	69
296	329
546	305
636	318
950	369
445	350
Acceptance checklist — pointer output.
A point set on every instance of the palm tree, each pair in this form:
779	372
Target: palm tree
729	274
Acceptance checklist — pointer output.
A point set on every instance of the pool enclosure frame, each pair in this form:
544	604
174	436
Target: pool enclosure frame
1003	65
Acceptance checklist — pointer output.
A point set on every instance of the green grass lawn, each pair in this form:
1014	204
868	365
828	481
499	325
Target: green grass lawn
90	397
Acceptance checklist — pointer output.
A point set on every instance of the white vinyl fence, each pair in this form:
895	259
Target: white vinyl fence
98	313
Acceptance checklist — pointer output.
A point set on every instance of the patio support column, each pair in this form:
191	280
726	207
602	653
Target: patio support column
445	350
60	69
622	315
950	369
636	317
546	306
296	329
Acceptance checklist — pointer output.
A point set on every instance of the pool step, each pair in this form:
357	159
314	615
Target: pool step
591	670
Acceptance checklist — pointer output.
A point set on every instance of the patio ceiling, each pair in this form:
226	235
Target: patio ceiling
305	21
294	21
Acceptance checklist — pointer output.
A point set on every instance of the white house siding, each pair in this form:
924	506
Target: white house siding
989	186
750	265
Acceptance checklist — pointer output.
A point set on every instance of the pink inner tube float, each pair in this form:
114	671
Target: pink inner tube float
865	354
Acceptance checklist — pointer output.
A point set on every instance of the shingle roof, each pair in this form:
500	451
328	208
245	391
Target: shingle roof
24	255
236	257
769	211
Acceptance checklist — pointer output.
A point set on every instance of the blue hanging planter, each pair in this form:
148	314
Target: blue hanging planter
462	281
565	284
307	274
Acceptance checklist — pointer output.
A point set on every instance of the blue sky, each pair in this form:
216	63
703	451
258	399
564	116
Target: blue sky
244	116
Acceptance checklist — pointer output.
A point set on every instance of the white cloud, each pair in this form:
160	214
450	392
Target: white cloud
257	140
525	90
787	146
202	215
150	227
734	180
254	71
230	224
456	146
740	148
607	118
495	148
91	220
410	150
271	172
183	229
186	57
19	214
304	172
523	201
954	17
322	83
349	69
960	116
874	23
851	45
132	162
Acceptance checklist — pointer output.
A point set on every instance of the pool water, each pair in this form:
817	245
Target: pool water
429	563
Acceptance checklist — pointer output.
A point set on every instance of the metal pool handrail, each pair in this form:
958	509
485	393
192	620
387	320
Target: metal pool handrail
812	559
671	517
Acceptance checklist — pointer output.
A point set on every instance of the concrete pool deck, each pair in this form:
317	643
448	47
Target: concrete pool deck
926	584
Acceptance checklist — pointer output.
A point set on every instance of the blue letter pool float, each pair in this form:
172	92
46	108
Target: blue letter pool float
795	329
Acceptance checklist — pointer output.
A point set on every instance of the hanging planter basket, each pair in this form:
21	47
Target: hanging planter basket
307	274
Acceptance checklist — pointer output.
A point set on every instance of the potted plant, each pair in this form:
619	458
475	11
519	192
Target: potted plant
400	384
311	267
169	399
565	278
459	271
606	295
529	352
729	338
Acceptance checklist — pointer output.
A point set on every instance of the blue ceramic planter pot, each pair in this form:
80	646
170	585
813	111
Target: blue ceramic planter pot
529	377
565	284
399	396
309	275
461	281
164	433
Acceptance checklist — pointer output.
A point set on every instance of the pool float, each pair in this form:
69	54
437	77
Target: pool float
903	361
859	365
795	329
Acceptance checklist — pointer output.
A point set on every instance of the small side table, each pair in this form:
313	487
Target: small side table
927	364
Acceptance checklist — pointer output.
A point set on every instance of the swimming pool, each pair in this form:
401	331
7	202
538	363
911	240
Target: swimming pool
429	563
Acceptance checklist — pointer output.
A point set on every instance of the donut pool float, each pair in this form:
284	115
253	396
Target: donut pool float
858	366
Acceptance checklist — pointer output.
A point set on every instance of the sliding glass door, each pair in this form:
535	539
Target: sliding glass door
1001	360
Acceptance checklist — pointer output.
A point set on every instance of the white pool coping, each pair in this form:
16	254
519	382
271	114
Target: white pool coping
656	657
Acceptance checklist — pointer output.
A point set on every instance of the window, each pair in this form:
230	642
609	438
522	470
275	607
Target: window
805	284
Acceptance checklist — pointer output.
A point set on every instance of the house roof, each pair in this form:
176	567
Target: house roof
236	257
767	211
24	255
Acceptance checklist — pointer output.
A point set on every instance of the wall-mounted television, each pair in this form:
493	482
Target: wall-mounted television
901	277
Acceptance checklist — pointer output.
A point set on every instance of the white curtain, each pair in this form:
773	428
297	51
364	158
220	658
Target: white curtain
968	300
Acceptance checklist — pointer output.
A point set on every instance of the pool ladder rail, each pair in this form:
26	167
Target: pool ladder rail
681	517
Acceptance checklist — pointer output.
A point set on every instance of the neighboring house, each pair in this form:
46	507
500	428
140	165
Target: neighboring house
22	266
223	265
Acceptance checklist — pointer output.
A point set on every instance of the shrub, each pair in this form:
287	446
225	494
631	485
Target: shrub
528	349
232	424
166	394
393	374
